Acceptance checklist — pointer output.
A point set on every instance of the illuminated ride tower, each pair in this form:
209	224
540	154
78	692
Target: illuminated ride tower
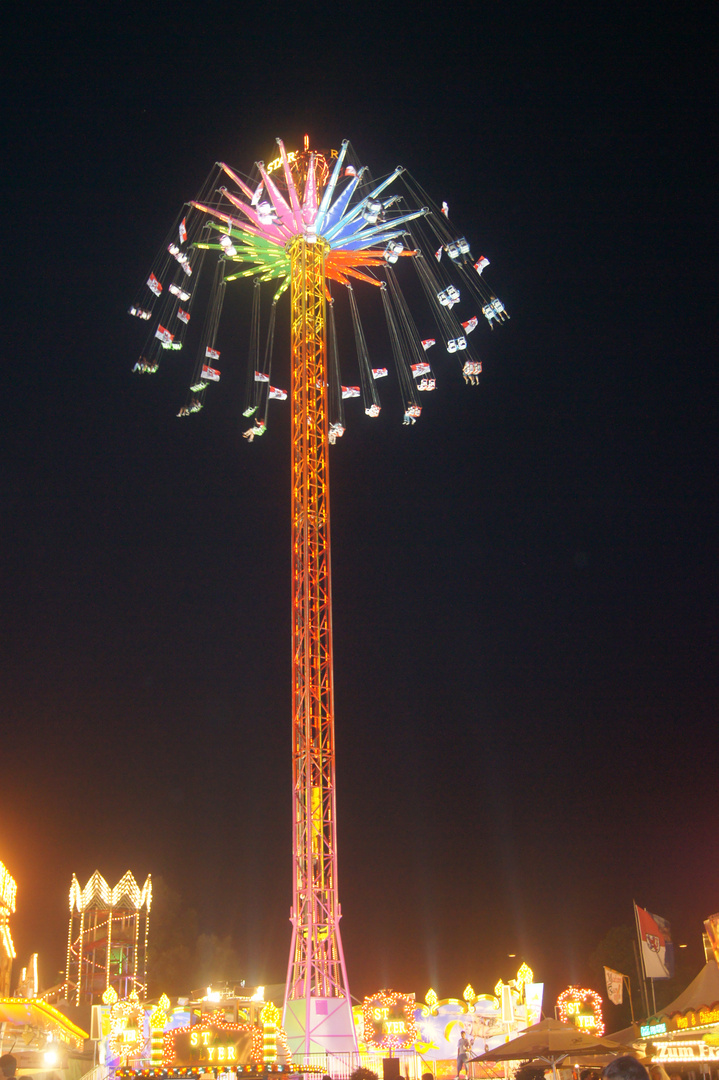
318	1011
321	221
107	939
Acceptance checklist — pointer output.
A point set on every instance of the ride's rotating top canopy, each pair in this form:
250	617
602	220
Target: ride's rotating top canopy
248	226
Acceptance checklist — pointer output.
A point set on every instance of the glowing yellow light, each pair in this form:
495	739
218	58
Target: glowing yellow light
270	1014
498	989
469	995
8	889
164	1003
158	1018
110	996
98	889
431	998
525	975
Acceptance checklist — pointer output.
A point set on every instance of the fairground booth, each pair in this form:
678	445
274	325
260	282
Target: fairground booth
45	1043
684	1036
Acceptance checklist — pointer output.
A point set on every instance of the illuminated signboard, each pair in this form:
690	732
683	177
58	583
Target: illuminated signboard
697	1017
214	1043
583	1008
677	1051
291	158
389	1021
647	1030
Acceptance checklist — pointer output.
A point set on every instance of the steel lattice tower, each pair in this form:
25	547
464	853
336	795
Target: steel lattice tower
317	995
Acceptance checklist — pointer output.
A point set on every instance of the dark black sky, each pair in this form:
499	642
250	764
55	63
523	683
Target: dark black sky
525	583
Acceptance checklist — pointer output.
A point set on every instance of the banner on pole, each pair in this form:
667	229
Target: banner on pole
615	985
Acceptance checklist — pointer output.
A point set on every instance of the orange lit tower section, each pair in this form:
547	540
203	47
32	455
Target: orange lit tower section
317	998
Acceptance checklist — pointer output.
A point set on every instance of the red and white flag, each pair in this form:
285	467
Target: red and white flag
420	369
154	284
183	315
438	254
470	324
183	231
379	372
212	354
657	948
277	394
428	343
210	373
164	335
187	268
261	377
445	209
177	291
350	391
480	264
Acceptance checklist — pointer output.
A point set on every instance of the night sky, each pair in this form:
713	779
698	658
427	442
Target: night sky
525	583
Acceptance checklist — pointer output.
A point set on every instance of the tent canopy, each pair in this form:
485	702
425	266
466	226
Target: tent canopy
702	992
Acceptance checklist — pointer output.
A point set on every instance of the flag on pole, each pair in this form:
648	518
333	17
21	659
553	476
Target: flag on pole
615	985
420	369
379	372
277	394
655	939
480	264
210	373
212	354
183	231
183	315
261	377
350	391
154	284
438	254
428	343
470	325
445	209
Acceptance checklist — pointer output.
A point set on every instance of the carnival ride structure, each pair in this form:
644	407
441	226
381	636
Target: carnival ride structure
312	221
107	939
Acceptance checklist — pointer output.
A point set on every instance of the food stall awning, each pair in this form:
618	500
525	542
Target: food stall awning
29	1012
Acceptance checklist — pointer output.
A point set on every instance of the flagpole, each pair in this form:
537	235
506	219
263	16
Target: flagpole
629	991
640	962
654	1000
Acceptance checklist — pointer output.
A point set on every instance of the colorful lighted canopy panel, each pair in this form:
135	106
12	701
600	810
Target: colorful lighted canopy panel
266	228
45	1020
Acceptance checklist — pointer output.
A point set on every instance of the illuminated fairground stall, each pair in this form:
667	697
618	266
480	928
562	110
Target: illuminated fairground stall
397	1034
43	1040
107	939
684	1037
226	1034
